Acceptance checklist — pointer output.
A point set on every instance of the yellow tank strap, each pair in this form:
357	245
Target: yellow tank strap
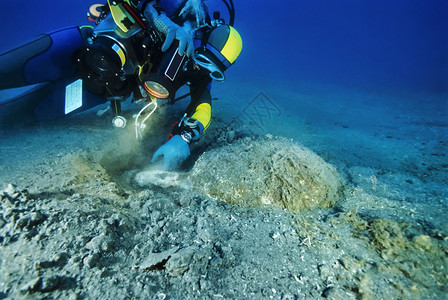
203	114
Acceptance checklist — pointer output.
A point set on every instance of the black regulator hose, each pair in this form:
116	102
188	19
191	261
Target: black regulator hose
231	9
232	13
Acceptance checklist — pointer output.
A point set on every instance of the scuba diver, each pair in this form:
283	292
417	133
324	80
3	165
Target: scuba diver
141	50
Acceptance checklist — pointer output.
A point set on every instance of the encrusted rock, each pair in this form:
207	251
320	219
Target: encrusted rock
267	172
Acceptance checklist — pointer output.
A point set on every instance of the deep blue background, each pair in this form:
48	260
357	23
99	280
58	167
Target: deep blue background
371	43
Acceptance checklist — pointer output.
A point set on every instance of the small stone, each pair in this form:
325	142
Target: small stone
423	242
74	260
91	260
62	258
156	216
10	190
288	297
100	243
158	260
22	222
185	201
50	283
37	218
275	235
73	296
32	285
205	234
231	136
179	262
212	211
337	293
326	270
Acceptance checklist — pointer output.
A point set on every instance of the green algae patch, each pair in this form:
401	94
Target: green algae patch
267	171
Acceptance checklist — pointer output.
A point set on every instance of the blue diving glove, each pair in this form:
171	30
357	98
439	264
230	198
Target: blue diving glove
177	149
172	31
174	153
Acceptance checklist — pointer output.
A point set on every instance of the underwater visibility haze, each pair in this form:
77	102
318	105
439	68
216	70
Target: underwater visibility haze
323	173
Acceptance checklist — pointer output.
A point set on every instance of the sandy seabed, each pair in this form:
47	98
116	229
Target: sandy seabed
314	192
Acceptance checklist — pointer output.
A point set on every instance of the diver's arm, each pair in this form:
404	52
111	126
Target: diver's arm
195	121
201	101
200	109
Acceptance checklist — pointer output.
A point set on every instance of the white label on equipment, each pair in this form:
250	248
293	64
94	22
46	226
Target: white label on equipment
73	96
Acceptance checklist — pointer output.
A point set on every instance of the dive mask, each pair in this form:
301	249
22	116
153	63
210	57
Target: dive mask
219	51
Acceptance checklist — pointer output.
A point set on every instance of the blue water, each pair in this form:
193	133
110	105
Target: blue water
397	44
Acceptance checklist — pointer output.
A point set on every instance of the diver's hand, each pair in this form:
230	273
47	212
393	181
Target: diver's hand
172	31
184	35
174	153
